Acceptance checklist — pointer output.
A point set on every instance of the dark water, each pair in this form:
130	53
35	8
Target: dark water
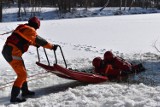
151	76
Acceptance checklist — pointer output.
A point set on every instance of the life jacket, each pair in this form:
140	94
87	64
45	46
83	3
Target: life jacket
121	64
22	37
107	71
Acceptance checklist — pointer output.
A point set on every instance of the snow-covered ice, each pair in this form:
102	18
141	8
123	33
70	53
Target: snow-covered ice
130	36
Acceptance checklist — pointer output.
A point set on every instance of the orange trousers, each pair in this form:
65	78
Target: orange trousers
20	70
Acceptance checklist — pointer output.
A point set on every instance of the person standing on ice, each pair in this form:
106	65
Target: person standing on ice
17	44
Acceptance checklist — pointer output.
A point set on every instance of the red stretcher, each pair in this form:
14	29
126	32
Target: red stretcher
66	73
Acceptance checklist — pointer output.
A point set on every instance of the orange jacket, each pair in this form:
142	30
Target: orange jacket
22	37
120	64
108	71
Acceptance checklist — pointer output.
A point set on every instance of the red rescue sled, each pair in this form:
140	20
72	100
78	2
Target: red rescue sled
69	73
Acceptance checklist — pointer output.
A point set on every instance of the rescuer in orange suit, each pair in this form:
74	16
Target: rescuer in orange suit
17	44
114	66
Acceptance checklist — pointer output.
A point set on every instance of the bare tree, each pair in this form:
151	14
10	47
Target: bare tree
68	5
36	7
131	4
120	7
105	5
86	4
1	11
125	4
62	5
155	46
19	8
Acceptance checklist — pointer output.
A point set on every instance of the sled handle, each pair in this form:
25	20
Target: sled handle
55	55
45	55
38	55
62	56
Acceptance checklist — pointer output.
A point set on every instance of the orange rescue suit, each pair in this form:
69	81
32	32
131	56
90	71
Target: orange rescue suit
18	43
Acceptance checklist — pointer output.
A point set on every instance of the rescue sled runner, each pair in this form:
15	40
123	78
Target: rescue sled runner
64	72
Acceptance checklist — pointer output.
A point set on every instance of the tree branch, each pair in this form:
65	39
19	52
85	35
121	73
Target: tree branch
154	45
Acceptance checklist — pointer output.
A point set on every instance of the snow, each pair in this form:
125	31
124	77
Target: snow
130	36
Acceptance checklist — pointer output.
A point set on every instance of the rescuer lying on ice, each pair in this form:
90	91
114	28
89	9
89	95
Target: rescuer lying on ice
114	67
17	44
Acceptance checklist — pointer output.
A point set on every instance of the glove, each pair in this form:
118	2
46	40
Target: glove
37	46
55	47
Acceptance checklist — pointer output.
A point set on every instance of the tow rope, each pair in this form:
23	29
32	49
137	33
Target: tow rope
29	79
6	32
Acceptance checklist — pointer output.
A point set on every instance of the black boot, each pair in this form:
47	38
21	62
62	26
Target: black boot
138	68
141	67
25	91
14	93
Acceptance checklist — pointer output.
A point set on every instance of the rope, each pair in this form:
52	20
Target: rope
6	32
10	83
38	74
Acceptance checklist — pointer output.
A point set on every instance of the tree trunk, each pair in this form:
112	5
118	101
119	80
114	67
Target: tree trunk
19	8
120	7
105	5
131	4
125	4
86	4
1	11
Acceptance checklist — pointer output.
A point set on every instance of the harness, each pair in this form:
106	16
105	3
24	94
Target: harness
19	39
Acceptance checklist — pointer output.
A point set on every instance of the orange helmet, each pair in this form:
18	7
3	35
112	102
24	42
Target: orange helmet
34	22
97	62
108	56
